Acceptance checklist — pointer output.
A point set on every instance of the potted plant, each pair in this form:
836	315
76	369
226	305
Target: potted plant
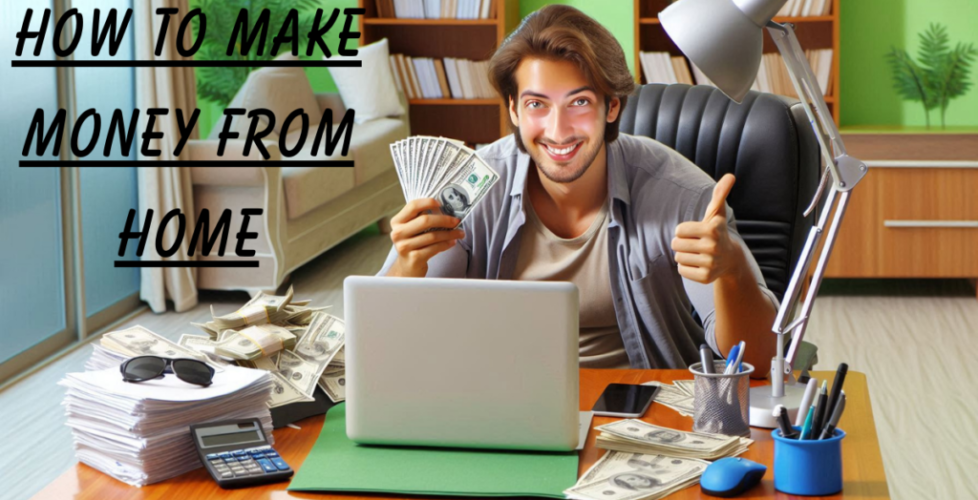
939	75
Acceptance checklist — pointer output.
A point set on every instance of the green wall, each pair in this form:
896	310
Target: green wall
319	78
869	29
616	15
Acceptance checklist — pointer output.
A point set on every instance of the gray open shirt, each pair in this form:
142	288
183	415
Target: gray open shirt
652	188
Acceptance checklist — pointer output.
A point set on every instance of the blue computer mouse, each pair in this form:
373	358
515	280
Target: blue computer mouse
731	476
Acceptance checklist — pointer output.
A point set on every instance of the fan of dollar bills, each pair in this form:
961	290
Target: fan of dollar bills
301	346
443	169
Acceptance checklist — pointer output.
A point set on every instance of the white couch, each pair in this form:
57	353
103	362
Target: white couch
306	210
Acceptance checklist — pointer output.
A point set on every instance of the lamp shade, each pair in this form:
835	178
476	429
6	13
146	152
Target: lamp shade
720	39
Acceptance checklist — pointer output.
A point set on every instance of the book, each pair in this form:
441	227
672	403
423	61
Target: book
408	68
442	79
454	85
465	73
487	11
806	9
395	72
682	70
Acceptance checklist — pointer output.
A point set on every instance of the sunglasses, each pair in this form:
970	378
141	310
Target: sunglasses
143	368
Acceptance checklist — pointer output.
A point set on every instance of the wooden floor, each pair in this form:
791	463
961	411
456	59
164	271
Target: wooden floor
915	340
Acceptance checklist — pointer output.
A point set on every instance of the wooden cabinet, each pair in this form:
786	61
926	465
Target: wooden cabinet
915	215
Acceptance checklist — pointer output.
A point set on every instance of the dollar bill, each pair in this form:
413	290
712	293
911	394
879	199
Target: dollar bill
254	342
283	392
334	385
300	372
139	341
687	386
673	397
636	476
637	436
443	169
323	339
203	345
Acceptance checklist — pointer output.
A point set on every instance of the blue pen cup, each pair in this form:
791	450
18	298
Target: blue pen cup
809	467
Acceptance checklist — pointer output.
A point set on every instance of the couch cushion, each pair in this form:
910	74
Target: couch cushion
371	146
306	188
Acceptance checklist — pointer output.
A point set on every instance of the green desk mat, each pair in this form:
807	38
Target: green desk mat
338	464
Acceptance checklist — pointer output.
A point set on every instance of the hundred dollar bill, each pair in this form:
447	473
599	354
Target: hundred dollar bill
687	386
672	397
301	373
466	188
638	430
334	385
267	363
642	437
636	476
203	345
255	341
283	392
139	341
323	339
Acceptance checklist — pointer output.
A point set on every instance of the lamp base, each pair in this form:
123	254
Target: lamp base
762	404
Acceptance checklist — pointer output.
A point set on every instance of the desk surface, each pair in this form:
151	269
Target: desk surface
863	475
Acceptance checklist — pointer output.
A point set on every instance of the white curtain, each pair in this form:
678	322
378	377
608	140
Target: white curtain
165	188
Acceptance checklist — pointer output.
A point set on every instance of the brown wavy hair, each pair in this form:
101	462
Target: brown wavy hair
563	33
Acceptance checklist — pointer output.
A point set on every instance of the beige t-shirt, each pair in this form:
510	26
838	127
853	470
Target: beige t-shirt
583	261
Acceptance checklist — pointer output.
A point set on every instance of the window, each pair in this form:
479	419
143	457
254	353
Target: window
59	226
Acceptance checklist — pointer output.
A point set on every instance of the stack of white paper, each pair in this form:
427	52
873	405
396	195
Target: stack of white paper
139	433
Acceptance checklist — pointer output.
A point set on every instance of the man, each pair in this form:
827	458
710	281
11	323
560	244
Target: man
645	235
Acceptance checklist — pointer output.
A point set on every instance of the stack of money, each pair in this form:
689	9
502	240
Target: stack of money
262	310
678	396
636	436
116	347
301	346
635	476
443	169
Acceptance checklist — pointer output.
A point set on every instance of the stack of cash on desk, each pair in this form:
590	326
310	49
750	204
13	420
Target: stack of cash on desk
139	433
647	462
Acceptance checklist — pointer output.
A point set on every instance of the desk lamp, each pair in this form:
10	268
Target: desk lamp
724	38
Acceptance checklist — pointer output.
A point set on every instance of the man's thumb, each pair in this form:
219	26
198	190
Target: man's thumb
720	192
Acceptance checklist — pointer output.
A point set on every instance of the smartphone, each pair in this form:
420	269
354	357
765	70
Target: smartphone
625	400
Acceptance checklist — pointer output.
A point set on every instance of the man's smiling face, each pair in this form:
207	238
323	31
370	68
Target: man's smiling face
560	117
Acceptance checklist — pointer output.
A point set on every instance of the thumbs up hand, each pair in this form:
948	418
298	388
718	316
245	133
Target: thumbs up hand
704	249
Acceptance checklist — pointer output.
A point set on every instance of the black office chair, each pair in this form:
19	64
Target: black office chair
766	142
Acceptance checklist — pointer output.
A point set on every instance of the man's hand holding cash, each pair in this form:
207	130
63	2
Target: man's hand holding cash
442	181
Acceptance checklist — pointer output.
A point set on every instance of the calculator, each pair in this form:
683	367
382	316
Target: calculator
237	454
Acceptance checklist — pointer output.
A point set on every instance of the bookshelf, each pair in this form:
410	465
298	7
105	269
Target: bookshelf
814	32
475	121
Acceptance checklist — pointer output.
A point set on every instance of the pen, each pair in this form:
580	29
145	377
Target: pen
806	428
819	418
840	378
782	416
706	358
741	348
731	359
806	401
840	407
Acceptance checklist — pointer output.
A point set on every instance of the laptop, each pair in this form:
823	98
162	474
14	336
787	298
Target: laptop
462	363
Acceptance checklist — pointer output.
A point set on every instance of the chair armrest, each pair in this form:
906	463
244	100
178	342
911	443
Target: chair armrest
240	174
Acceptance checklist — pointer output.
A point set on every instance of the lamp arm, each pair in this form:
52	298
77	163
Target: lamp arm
846	172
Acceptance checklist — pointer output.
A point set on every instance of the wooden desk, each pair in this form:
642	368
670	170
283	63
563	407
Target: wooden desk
863	475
